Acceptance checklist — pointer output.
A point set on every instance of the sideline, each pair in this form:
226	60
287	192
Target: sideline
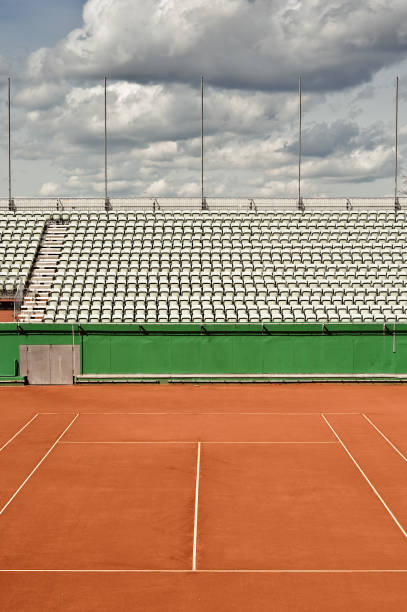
19	431
37	466
375	491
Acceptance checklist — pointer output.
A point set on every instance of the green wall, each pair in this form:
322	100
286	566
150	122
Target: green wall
218	348
13	334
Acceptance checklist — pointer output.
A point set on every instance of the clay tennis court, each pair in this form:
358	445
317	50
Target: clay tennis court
187	498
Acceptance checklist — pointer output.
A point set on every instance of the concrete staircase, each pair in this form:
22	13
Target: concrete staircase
42	274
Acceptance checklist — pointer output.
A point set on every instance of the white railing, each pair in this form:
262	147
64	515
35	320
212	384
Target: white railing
209	203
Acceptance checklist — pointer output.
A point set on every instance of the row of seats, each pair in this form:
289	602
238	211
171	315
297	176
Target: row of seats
217	266
232	267
66	216
20	236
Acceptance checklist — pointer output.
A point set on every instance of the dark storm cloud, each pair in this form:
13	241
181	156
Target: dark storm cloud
260	45
324	139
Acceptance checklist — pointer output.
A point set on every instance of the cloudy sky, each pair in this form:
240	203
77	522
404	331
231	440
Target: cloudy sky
250	52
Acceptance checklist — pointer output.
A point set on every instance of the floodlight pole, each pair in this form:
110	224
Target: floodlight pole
107	202
202	144
396	202
10	201
300	204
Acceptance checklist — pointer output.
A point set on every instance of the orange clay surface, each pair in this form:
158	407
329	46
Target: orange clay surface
6	316
192	498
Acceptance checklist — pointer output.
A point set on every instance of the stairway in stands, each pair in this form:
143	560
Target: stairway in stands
42	274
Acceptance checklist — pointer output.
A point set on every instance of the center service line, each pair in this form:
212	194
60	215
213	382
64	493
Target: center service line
198	467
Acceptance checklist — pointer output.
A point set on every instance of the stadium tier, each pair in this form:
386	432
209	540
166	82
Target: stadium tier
200	266
20	237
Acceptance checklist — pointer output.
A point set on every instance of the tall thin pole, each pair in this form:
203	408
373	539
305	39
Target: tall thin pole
299	138
202	141
9	143
397	143
106	199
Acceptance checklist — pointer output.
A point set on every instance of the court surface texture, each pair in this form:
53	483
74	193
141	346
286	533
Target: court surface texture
204	497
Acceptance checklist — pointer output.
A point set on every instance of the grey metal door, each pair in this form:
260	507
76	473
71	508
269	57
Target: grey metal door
48	364
62	364
38	365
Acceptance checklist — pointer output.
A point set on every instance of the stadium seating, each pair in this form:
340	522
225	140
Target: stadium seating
194	266
20	237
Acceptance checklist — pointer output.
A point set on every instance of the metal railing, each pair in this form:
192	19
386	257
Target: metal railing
12	291
18	297
8	287
195	204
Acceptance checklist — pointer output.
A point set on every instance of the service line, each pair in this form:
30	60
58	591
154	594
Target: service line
194	442
37	466
202	413
19	431
207	571
375	491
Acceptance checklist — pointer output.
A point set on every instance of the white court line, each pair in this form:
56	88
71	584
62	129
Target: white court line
385	437
61	413
208	571
192	442
198	466
403	531
19	431
37	466
129	442
203	413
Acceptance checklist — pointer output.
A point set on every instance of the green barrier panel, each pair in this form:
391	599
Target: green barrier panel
244	349
12	335
218	348
9	351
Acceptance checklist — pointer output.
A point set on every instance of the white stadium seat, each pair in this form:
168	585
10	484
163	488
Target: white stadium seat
212	266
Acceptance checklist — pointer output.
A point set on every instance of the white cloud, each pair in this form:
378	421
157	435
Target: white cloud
49	189
157	188
41	96
235	43
192	190
250	52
